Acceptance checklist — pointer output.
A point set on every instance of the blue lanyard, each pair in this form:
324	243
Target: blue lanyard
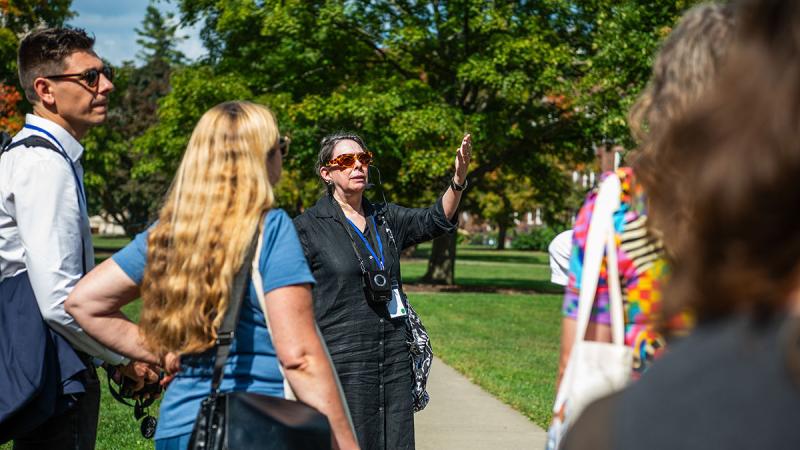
78	185
366	243
63	153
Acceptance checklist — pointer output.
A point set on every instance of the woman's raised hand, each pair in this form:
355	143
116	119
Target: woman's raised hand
463	157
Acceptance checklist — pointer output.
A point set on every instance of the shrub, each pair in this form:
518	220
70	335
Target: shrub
483	238
536	239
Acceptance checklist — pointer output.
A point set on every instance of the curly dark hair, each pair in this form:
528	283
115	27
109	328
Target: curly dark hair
44	52
739	250
326	149
685	72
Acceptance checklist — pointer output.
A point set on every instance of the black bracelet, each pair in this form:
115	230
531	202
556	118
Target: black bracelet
458	187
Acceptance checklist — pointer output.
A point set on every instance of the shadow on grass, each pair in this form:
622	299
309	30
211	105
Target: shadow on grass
496	285
488	254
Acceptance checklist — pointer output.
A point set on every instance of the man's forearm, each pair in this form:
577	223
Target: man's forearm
61	322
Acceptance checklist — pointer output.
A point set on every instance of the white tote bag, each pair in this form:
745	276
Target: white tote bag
596	369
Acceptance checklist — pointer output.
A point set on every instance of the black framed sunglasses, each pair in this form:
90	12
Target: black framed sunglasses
91	76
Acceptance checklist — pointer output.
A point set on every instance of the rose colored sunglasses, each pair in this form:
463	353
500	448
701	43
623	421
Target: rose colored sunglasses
348	160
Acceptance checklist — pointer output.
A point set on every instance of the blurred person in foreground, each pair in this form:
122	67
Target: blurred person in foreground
685	70
734	383
347	237
185	264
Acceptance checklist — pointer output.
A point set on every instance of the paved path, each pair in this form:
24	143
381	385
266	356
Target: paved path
462	416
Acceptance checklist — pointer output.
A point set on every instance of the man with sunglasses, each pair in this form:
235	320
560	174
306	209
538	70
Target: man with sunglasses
46	247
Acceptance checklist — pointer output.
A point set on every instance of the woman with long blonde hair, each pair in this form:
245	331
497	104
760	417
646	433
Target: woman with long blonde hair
184	266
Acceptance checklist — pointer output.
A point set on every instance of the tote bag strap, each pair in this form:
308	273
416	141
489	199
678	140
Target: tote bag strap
616	310
258	284
600	239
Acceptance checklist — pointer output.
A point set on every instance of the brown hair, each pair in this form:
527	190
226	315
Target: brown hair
684	72
326	150
44	52
740	152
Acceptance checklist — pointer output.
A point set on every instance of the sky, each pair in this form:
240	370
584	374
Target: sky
113	23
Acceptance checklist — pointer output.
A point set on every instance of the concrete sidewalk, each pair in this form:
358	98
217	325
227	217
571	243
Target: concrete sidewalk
462	416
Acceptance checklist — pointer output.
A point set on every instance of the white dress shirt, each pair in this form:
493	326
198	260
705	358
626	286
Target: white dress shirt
44	227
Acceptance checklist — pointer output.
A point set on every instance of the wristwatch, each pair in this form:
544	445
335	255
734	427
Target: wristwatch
458	187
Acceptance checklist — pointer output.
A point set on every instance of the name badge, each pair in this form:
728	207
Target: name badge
397	308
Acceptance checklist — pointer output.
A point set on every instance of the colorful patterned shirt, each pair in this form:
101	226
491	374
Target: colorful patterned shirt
642	270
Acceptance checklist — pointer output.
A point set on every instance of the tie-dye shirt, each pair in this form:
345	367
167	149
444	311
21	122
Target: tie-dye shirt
642	269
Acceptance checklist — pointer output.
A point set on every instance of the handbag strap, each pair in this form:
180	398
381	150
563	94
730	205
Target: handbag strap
227	329
601	240
255	276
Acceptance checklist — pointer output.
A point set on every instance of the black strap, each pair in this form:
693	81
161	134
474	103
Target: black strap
343	222
38	141
227	329
5	140
381	218
30	141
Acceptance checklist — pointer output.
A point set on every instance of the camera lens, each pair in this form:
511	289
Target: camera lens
379	280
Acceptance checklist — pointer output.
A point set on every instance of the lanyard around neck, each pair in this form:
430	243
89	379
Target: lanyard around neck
63	153
78	184
380	260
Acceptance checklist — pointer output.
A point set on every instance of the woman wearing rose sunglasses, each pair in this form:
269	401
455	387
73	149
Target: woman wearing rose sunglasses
353	248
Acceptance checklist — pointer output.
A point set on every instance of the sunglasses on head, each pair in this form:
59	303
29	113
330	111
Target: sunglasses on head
348	160
283	145
91	76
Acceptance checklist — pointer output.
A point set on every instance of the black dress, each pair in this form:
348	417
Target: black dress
368	348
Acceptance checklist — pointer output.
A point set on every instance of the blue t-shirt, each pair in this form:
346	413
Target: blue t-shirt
252	365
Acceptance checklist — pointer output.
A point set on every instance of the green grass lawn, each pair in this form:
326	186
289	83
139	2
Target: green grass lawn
485	268
505	343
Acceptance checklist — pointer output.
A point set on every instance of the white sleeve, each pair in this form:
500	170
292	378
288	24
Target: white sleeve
49	222
560	249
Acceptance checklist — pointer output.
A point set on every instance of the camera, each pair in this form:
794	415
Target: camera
378	286
142	398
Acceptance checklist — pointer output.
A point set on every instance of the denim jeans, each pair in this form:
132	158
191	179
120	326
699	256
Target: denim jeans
75	429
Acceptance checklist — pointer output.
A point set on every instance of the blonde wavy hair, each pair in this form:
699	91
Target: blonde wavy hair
213	209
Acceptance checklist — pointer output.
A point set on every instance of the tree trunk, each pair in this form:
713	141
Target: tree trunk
502	230
442	262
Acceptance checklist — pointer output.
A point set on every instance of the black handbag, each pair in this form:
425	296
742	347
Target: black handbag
246	420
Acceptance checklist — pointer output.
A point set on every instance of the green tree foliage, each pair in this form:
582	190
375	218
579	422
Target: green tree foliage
536	82
411	77
121	181
158	38
616	43
17	17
